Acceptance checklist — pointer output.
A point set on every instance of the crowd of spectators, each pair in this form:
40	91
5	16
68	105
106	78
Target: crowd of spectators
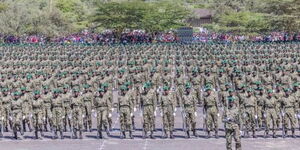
140	36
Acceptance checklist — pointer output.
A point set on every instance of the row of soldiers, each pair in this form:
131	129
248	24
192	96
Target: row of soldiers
250	70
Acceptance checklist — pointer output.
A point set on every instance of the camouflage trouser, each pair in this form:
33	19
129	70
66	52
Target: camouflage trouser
125	119
67	119
88	112
168	118
260	116
249	116
233	130
57	116
48	114
102	113
6	111
148	118
37	119
190	120
77	119
271	117
289	117
16	120
212	119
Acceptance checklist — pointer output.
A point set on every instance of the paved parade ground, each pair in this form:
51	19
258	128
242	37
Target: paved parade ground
179	143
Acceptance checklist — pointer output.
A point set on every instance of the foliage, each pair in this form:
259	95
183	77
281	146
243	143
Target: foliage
157	16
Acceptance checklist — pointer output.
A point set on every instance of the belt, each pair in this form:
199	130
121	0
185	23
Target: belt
289	107
148	105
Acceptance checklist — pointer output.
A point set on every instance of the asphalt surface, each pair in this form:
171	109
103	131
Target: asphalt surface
179	143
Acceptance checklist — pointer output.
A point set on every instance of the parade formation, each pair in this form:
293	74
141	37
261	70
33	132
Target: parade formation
249	87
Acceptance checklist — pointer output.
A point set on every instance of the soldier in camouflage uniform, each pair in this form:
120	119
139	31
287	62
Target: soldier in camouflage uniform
6	102
288	105
125	109
189	109
67	98
249	107
87	96
211	111
26	109
148	102
37	105
16	114
270	104
232	119
57	113
77	113
102	104
167	105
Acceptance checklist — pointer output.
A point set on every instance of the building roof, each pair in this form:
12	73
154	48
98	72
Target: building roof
203	13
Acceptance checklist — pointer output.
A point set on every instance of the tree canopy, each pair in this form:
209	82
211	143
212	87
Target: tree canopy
59	17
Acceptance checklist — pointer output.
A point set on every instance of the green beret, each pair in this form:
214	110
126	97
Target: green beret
17	93
86	86
165	87
4	89
36	92
23	88
270	91
230	98
296	84
230	90
188	85
104	84
56	91
100	90
124	88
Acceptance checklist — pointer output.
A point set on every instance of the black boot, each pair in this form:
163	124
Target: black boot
216	134
80	134
188	135
293	134
75	134
208	135
195	133
42	134
15	135
165	135
36	134
122	135
130	134
254	135
144	134
171	135
55	134
61	135
151	135
99	134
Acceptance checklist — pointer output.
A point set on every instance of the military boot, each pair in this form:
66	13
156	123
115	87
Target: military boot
36	134
187	135
195	133
55	134
171	135
122	135
99	134
216	134
61	134
80	134
293	133
254	135
130	134
208	135
151	135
